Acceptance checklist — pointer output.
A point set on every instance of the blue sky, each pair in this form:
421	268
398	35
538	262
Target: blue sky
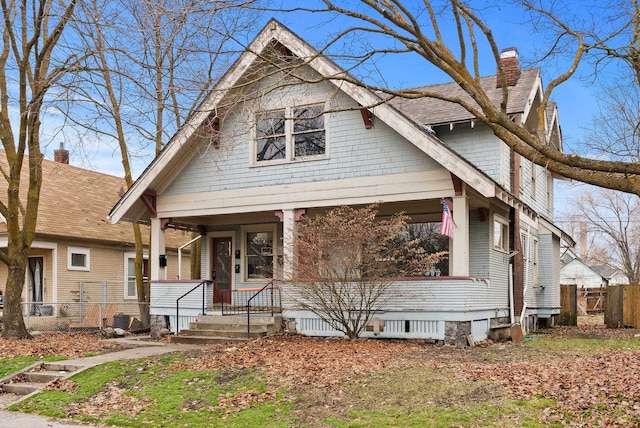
576	99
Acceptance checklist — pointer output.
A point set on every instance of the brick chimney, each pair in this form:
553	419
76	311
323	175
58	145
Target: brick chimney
583	240
510	65
61	155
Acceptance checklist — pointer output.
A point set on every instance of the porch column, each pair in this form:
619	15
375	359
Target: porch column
157	249
459	245
288	234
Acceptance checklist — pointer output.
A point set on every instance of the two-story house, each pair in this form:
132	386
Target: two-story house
282	135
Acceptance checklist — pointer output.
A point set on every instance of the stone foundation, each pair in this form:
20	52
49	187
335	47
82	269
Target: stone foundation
456	332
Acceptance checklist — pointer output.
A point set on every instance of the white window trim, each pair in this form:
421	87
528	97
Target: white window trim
504	247
534	261
290	149
79	250
127	256
270	227
534	188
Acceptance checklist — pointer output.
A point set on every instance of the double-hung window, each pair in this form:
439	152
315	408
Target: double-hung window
291	133
130	290
500	233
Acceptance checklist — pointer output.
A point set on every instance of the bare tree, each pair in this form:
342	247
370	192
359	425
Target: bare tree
611	219
154	62
29	67
396	27
345	261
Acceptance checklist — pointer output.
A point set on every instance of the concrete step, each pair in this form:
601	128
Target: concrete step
231	328
205	340
222	333
42	376
239	319
36	377
61	366
22	388
259	328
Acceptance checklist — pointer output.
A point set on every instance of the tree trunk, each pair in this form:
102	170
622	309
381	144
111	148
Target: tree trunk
13	320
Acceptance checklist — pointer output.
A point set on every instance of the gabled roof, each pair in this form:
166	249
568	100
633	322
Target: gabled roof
433	111
406	117
73	204
606	271
178	151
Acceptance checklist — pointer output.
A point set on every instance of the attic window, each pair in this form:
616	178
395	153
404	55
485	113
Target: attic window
289	134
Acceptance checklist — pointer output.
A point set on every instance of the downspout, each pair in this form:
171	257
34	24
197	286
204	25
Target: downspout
512	317
180	254
526	255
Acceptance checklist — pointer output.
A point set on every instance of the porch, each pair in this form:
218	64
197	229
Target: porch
446	309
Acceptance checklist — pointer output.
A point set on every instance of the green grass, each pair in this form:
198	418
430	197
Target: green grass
407	397
12	365
419	398
582	345
176	397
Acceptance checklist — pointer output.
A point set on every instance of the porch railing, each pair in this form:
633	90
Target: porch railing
203	284
265	300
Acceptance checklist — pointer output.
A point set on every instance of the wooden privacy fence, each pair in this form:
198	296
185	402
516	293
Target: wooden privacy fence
568	305
622	306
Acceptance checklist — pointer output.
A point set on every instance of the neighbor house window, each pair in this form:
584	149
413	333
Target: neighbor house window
290	134
259	253
500	233
78	258
130	290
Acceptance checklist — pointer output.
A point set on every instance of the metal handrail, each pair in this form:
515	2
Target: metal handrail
204	289
273	284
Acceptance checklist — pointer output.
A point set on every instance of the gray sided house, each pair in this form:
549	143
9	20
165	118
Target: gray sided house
279	138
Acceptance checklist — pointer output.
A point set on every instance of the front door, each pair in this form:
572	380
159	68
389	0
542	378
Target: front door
36	284
221	274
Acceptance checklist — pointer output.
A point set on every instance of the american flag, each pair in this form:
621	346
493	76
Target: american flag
446	227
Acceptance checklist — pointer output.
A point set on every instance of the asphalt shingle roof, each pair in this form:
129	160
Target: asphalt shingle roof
432	111
74	203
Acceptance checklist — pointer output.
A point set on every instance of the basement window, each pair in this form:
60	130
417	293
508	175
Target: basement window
500	233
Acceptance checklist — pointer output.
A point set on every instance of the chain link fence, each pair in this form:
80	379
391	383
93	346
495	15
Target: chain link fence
95	307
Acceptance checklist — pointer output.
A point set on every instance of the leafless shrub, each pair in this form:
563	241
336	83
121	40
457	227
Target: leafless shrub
346	260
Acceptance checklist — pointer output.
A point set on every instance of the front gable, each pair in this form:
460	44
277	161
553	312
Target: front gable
354	156
175	168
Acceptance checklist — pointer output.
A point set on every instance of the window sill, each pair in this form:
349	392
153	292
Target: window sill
286	161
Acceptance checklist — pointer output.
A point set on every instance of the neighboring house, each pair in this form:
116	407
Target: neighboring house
242	171
576	272
612	275
77	254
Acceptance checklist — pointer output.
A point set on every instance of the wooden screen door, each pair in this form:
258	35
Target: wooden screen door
222	272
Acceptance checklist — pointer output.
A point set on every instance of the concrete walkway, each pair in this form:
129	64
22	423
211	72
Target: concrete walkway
143	349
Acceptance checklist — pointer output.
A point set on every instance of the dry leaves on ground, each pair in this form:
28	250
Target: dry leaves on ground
70	345
112	399
601	385
298	360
